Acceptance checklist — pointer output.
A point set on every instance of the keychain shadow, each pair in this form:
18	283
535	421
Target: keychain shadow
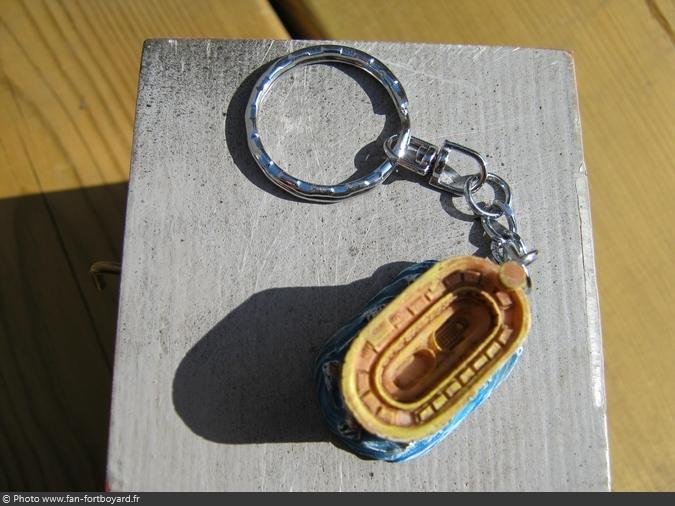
367	158
477	236
448	202
250	379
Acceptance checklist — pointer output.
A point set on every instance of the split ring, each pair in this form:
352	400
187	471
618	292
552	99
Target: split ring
325	54
482	210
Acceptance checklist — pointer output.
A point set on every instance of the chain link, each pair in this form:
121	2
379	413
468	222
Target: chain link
482	211
426	159
506	244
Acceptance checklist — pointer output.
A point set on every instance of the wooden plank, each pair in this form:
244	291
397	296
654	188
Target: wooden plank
229	286
60	95
68	76
73	67
625	64
55	343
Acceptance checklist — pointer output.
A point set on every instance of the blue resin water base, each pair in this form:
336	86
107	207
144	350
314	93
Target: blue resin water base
341	422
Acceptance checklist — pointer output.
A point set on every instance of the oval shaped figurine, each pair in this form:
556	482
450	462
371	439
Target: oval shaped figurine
425	355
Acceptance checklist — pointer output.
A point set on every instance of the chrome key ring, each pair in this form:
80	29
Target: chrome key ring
402	150
326	54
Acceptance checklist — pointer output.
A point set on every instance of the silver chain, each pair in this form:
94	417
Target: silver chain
425	159
506	244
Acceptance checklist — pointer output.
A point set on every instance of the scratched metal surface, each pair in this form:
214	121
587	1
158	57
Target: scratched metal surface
229	286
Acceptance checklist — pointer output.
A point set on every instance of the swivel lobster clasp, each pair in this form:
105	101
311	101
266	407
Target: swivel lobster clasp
426	159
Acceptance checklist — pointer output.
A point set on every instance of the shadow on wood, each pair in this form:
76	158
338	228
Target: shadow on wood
250	379
56	337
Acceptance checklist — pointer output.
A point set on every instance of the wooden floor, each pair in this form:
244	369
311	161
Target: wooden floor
68	71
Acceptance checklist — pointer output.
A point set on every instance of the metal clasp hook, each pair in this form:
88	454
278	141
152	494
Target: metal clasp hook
101	268
426	159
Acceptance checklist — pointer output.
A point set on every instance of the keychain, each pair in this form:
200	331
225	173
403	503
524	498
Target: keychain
430	347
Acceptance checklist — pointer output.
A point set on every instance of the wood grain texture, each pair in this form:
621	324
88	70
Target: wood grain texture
56	337
229	286
68	77
69	71
625	64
